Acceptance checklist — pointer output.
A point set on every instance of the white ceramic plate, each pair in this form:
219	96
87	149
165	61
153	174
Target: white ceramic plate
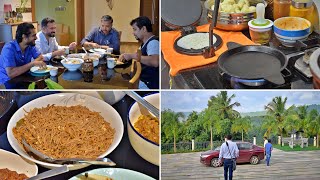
67	99
97	50
14	162
116	174
36	70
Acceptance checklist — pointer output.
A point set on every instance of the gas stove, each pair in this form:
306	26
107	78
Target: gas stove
296	74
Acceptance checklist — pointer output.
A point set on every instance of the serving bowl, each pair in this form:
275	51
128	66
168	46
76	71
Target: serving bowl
232	21
147	149
67	99
72	64
290	29
14	162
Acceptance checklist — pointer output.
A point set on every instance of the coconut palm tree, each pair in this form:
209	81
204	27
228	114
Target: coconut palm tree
170	125
222	106
313	124
241	125
276	115
222	103
211	119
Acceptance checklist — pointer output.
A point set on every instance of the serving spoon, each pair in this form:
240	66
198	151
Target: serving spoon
41	156
154	111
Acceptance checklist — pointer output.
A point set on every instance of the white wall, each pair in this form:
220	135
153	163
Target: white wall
14	5
122	13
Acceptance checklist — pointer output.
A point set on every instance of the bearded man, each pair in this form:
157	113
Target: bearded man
46	42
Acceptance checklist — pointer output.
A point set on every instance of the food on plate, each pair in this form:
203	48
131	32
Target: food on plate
148	126
234	6
195	41
88	176
65	132
7	174
292	23
73	61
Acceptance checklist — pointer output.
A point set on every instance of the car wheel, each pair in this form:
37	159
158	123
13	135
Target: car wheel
215	162
254	160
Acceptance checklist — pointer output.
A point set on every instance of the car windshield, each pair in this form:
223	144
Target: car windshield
217	149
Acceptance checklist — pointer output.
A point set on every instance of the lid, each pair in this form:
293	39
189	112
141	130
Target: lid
301	3
259	26
181	12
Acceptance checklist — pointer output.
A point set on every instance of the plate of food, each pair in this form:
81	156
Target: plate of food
66	125
111	174
38	70
15	167
98	50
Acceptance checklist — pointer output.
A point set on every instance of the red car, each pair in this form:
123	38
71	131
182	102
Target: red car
247	153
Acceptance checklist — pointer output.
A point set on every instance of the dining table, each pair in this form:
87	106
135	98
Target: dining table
103	77
124	155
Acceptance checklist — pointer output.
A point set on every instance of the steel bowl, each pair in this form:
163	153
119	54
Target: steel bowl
232	21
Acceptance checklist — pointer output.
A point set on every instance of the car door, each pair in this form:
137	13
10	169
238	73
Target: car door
245	152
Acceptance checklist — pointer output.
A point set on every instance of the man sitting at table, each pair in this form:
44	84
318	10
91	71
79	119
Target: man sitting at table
103	37
46	42
142	30
16	56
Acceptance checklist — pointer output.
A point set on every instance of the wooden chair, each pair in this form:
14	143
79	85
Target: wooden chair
135	72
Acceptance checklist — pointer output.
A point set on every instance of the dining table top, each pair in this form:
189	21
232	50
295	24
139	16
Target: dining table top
124	155
103	77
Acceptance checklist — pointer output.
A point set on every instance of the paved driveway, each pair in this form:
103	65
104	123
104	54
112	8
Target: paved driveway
284	165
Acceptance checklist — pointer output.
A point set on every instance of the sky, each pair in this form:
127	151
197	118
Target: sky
251	101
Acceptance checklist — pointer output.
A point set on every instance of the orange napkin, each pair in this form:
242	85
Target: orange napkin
179	61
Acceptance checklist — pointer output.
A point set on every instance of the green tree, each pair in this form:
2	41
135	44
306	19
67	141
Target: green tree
170	125
313	124
276	116
241	125
210	118
223	106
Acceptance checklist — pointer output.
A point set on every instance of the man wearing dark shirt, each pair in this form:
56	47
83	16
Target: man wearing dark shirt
104	36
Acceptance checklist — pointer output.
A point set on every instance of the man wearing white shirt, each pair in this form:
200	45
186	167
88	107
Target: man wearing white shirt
46	42
228	151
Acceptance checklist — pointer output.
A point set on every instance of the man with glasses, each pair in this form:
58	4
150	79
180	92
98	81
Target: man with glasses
16	56
46	42
104	36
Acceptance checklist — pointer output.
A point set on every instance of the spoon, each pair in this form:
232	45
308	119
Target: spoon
65	58
98	161
50	173
139	99
85	50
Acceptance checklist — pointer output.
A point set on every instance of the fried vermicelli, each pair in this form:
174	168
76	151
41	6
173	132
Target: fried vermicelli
148	126
65	132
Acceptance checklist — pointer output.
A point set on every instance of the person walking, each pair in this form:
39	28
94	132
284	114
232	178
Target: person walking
229	152
268	149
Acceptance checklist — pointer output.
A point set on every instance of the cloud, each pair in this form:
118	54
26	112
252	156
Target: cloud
306	96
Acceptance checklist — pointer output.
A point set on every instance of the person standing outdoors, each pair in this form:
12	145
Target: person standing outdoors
268	149
228	152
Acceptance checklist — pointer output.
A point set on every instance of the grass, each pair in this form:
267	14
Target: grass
296	148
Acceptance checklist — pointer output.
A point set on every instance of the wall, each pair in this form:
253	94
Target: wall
122	13
14	5
45	9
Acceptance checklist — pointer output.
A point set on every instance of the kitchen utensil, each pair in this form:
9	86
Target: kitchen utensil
50	173
253	62
146	104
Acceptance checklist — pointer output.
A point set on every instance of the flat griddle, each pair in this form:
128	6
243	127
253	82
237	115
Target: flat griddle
181	50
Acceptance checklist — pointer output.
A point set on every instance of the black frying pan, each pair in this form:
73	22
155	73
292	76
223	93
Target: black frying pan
253	62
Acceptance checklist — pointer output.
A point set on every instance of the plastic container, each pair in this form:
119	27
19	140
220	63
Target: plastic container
260	29
260	34
303	9
281	8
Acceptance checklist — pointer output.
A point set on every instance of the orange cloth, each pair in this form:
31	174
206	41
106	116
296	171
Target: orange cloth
179	61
